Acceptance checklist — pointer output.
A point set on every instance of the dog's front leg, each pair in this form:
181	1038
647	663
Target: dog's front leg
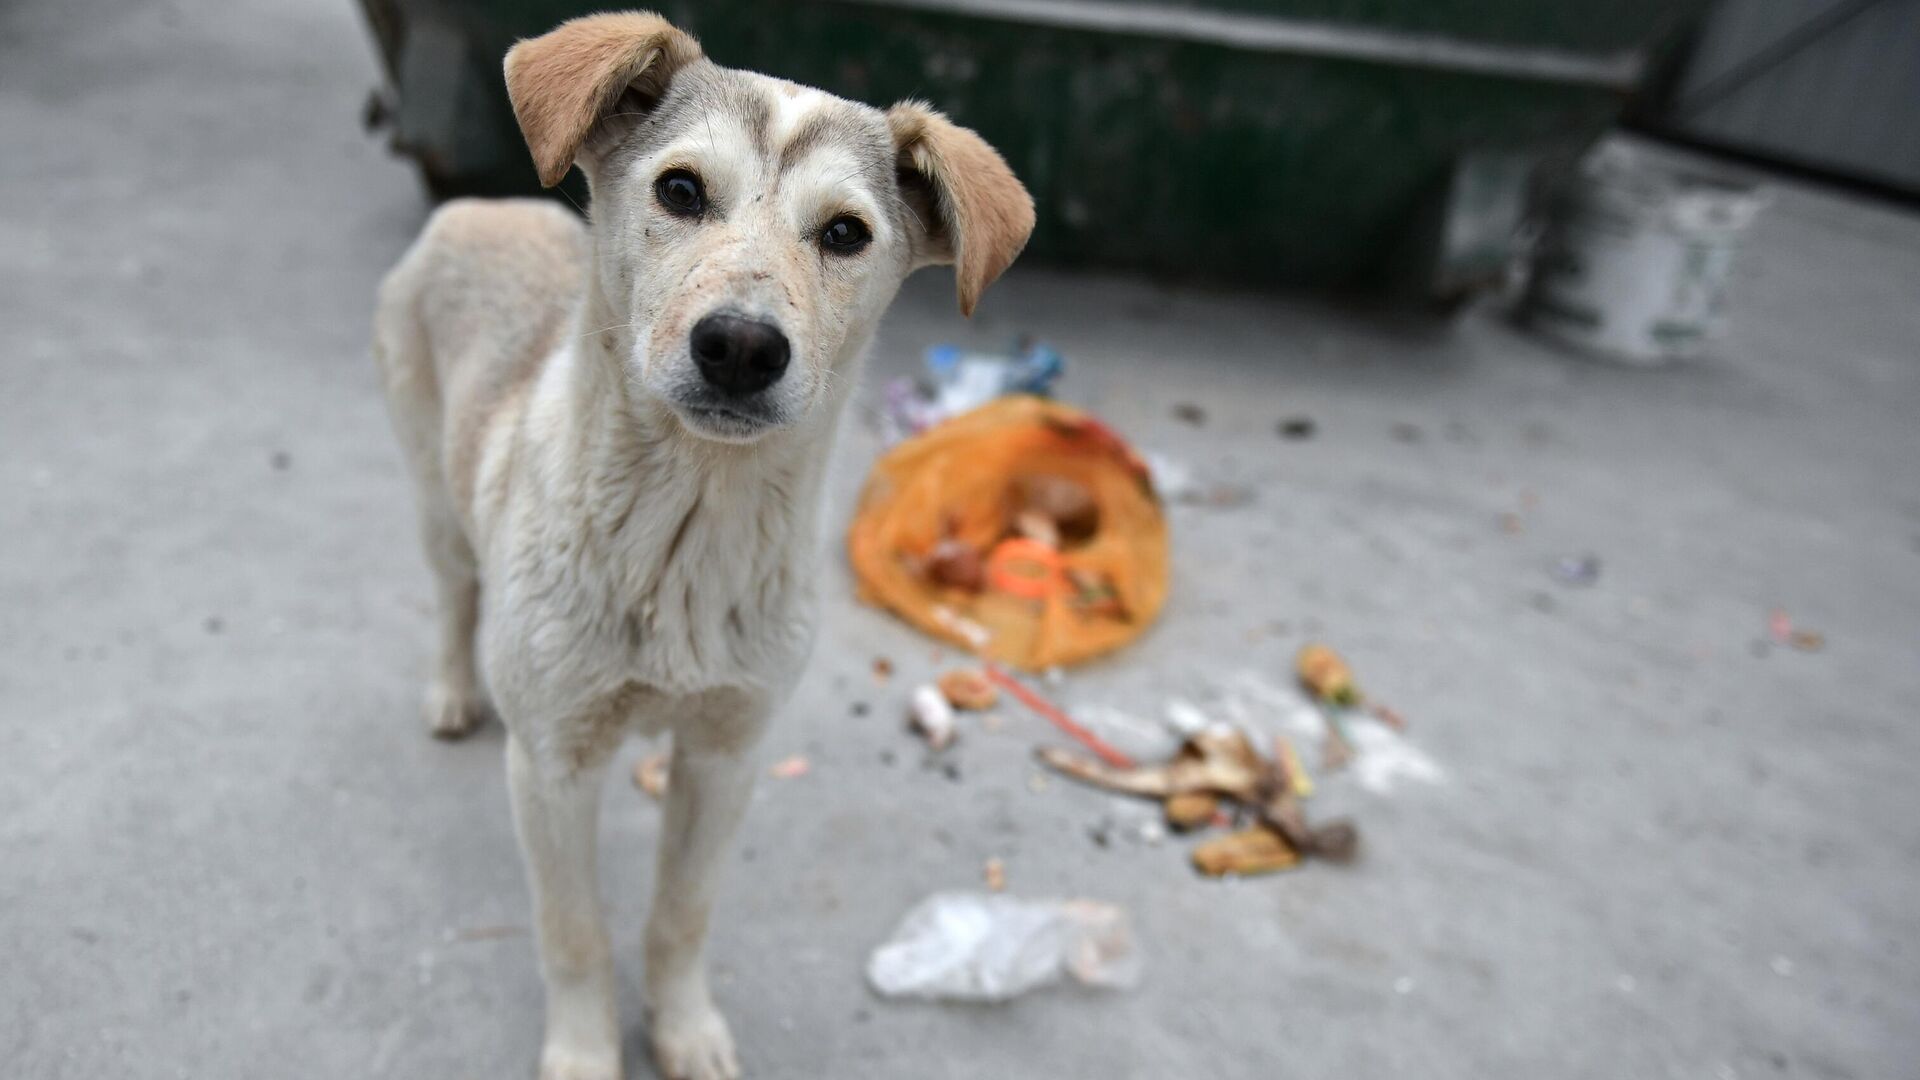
556	812
706	798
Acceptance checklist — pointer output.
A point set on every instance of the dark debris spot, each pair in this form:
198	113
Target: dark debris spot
281	461
1188	412
1297	427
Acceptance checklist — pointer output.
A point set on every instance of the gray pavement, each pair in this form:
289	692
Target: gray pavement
227	848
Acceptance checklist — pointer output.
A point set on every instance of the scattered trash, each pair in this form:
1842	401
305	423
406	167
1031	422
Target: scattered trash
1218	762
1067	503
1186	718
969	689
1258	850
882	669
956	564
962	380
1808	640
1135	737
1297	777
1191	810
949	535
1578	571
790	768
1297	427
1326	675
995	875
1188	413
650	774
1381	755
932	716
1780	626
962	946
1061	720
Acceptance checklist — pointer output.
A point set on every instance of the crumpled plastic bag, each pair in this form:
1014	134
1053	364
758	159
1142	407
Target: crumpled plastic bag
956	483
971	946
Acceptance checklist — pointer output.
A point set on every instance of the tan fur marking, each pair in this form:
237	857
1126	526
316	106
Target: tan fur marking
564	81
986	212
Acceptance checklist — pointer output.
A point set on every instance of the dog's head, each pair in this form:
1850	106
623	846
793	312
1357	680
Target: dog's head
750	232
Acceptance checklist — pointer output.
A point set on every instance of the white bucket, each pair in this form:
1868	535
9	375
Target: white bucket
1635	261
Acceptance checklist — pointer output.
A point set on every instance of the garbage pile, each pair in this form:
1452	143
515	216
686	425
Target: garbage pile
1024	530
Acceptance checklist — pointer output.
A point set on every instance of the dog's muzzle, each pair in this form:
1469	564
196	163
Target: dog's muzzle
739	357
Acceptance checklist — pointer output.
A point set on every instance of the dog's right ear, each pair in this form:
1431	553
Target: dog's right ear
565	81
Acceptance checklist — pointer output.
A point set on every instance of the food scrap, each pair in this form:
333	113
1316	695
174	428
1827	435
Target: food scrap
995	874
1221	764
969	689
1326	675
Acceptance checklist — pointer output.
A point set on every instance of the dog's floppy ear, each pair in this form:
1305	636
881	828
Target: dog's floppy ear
973	211
564	81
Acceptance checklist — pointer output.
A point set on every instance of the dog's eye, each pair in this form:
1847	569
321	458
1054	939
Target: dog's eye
680	192
845	235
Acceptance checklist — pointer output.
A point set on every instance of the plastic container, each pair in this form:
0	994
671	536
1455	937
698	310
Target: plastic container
1636	259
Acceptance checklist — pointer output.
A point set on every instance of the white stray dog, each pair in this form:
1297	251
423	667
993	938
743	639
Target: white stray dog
618	432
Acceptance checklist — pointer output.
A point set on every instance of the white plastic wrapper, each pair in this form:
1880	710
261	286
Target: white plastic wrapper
969	946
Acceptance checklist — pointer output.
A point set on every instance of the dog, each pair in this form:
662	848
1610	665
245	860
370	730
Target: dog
618	432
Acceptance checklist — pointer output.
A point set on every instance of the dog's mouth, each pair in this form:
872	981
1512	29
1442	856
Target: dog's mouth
736	422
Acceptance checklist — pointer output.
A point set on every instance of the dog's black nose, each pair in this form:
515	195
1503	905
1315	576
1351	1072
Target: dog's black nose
739	356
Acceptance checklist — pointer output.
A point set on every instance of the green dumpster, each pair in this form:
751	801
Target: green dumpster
1302	142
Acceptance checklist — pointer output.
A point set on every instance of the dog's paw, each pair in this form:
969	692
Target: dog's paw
565	1063
694	1044
451	713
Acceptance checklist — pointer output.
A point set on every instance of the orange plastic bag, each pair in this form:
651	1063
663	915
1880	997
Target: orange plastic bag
960	482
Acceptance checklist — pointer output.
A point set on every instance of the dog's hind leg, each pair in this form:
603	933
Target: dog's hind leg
706	798
456	701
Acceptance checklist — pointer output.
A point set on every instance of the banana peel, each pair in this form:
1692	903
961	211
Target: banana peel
1213	765
1257	850
1191	811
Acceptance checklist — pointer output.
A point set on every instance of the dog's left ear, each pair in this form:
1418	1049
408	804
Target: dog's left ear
973	212
565	81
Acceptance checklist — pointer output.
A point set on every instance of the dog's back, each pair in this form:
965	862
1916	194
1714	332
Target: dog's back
465	319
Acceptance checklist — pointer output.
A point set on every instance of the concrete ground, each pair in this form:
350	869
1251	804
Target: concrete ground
228	849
